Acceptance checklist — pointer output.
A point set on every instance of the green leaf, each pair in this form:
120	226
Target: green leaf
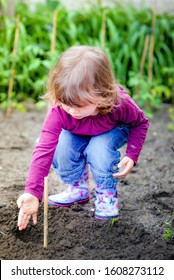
34	65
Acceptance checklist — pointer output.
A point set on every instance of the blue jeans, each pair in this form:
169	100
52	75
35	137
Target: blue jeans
101	152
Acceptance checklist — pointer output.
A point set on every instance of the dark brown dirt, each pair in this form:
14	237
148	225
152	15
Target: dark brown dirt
146	202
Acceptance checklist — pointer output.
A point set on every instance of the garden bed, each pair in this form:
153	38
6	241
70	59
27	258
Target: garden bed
146	202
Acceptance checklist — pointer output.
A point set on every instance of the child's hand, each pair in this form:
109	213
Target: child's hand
28	205
127	164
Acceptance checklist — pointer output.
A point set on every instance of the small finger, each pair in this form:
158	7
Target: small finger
20	217
24	223
23	220
19	202
35	218
119	175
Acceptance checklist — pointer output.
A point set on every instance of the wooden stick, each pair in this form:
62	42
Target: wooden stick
45	212
16	38
53	41
12	72
151	48
103	30
144	54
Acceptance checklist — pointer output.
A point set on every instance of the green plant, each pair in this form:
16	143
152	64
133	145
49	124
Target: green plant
146	95
114	221
168	231
121	32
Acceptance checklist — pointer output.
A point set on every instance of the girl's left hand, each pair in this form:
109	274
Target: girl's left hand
127	164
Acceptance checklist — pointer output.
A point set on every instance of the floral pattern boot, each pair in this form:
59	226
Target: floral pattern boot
106	203
76	193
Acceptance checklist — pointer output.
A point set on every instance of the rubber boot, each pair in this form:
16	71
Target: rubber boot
76	193
106	203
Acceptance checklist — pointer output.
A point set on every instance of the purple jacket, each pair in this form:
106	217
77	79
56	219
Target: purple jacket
57	119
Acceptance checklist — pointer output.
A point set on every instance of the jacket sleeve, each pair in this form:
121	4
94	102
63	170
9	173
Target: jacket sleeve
43	154
138	123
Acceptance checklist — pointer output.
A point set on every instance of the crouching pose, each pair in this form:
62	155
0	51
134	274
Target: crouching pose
90	119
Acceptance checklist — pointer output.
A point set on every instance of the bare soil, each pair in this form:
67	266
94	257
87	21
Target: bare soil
146	201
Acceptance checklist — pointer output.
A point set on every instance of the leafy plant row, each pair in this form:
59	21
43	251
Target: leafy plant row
122	32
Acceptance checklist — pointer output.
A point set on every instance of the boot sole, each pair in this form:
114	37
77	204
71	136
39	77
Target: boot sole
56	204
105	218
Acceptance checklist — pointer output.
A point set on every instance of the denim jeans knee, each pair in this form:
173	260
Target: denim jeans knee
68	160
103	155
101	152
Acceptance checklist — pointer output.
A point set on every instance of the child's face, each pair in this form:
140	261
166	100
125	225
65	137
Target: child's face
81	112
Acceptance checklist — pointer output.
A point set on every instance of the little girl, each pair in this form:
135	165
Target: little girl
91	118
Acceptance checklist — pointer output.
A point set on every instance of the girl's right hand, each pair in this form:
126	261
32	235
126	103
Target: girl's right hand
28	205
